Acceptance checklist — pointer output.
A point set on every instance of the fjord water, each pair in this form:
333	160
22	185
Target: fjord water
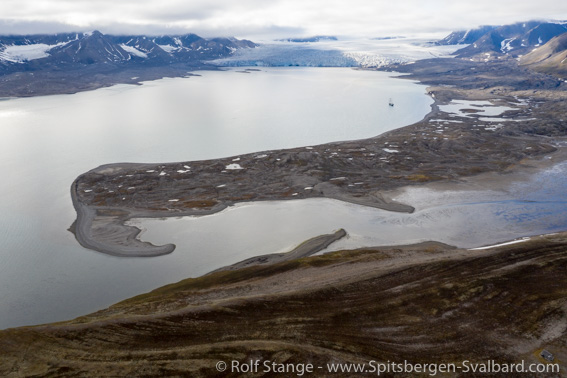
46	142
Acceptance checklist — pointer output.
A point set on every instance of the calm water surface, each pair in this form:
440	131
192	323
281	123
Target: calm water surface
46	142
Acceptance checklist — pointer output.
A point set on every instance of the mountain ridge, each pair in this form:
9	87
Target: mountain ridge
43	51
504	40
46	64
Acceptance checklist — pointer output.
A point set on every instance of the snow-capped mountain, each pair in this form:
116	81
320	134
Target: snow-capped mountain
88	49
465	37
514	40
36	52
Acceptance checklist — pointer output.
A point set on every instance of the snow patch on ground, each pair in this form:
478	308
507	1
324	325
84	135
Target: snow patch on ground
233	166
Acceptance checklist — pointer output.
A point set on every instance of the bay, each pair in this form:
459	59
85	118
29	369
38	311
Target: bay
46	142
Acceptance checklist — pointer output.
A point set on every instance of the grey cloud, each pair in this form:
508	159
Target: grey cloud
260	18
36	27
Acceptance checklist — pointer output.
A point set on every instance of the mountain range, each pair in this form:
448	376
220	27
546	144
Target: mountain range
75	50
513	40
317	38
32	65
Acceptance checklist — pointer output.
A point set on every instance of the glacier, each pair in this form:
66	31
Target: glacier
23	53
364	53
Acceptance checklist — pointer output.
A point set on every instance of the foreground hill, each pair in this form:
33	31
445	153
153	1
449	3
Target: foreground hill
423	303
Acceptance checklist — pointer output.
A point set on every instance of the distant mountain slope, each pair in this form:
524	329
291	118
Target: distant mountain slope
91	48
143	47
550	58
68	51
465	37
514	40
316	38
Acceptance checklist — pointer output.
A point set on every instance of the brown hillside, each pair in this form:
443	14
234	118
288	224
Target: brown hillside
550	58
424	303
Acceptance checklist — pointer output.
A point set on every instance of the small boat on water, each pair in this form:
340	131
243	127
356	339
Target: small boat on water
391	103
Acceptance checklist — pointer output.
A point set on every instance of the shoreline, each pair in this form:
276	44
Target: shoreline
363	171
49	83
113	237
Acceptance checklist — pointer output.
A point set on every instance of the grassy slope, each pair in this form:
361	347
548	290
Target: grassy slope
423	303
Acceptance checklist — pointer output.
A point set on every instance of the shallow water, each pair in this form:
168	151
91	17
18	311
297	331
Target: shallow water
46	142
483	108
464	218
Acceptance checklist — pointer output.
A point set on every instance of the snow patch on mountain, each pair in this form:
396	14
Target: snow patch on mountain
505	45
134	51
168	48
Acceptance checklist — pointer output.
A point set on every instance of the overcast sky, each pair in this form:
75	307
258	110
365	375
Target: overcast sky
264	19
